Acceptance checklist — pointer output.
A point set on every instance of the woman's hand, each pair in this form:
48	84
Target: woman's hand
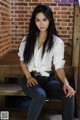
68	90
31	81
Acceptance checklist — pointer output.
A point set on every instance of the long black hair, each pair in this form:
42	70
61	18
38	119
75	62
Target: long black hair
34	32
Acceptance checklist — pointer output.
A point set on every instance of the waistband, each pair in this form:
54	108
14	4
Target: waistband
40	74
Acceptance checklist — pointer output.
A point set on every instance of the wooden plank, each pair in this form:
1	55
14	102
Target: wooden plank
13	71
76	49
79	57
79	73
2	78
10	59
10	89
76	36
7	71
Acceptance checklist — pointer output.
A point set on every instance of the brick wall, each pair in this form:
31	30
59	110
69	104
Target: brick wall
21	12
4	27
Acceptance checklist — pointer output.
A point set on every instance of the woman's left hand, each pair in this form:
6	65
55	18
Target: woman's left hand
68	90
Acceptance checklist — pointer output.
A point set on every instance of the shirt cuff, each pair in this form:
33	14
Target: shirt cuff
60	65
21	58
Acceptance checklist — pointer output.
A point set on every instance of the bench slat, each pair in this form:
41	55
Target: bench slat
10	89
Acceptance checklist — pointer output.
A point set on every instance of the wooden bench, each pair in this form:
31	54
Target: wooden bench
10	68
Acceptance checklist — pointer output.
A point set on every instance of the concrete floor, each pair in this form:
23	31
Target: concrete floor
18	113
21	114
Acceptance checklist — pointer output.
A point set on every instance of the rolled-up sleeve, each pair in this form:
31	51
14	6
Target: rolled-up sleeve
21	48
58	59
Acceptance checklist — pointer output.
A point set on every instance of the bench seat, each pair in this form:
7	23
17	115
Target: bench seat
10	90
10	68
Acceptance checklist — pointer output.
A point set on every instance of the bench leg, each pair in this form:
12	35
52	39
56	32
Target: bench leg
2	102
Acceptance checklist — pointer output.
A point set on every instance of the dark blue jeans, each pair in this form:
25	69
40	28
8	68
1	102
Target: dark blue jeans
47	87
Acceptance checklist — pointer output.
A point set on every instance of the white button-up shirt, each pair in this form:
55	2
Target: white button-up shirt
55	56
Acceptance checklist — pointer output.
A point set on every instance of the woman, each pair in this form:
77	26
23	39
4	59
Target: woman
38	51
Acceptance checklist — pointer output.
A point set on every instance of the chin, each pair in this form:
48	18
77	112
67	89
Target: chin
42	30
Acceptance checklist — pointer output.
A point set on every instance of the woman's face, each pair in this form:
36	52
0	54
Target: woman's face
41	22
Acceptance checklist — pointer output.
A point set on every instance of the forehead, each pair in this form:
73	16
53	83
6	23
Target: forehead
40	16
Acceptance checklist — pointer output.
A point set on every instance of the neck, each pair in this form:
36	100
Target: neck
43	35
41	38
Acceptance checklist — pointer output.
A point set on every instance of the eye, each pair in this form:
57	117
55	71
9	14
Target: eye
45	19
37	20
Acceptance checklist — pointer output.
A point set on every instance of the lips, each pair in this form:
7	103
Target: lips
42	27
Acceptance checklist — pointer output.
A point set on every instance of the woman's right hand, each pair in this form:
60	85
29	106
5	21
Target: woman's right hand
31	81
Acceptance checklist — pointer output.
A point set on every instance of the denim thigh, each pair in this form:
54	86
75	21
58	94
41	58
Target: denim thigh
54	88
32	91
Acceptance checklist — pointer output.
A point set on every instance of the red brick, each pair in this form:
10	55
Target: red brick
64	8
34	0
64	24
5	27
28	0
64	12
63	20
63	16
14	28
56	8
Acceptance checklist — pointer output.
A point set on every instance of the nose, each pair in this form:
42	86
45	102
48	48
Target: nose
41	23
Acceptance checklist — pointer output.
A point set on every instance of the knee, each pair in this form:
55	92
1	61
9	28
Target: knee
69	100
41	96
